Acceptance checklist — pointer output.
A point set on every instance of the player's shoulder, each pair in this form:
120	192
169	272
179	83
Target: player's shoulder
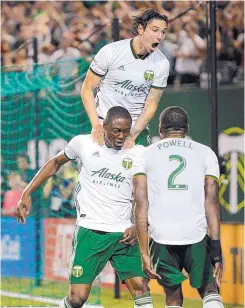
136	150
118	45
203	148
159	55
83	138
160	60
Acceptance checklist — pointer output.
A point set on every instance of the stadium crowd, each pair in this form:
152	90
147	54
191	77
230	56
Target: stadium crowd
75	29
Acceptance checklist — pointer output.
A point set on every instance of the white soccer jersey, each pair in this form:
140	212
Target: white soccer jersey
176	169
127	79
103	195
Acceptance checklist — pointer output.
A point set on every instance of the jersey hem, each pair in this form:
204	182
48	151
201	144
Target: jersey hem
194	241
96	73
209	176
104	228
140	173
155	87
67	156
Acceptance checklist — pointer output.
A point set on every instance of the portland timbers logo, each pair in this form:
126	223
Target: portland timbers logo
127	163
77	271
148	75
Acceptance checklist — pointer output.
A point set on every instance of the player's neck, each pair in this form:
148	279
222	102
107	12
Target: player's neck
109	146
173	135
139	49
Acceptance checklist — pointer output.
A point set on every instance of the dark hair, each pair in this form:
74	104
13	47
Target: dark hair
117	112
145	17
25	156
174	118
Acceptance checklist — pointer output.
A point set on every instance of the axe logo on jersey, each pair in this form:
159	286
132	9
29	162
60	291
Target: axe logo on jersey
148	75
106	174
231	190
127	163
127	87
77	271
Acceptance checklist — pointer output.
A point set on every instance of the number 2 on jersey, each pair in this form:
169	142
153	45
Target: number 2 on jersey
176	172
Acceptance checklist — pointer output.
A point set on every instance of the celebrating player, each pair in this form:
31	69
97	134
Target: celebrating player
179	176
131	73
104	231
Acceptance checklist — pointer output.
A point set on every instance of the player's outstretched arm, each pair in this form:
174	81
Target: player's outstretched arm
90	83
213	221
148	113
47	170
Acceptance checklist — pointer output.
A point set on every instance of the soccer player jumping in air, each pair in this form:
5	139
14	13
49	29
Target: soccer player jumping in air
131	73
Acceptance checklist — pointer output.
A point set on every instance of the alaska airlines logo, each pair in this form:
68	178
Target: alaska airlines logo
128	85
104	173
231	147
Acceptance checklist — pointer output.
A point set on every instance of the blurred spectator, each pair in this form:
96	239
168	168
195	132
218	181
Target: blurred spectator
23	168
60	191
66	53
12	196
45	52
188	56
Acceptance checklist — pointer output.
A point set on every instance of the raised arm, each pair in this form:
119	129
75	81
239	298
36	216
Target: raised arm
213	221
47	170
90	83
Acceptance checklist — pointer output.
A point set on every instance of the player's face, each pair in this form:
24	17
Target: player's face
116	132
154	32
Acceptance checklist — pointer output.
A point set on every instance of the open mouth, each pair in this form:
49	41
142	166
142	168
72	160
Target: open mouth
154	45
119	143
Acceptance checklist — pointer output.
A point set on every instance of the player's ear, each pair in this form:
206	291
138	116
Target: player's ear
188	129
161	131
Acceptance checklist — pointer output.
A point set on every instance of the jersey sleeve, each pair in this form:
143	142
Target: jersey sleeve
212	166
73	148
101	62
160	80
139	166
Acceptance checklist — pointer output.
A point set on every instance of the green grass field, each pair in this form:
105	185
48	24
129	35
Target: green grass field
58	290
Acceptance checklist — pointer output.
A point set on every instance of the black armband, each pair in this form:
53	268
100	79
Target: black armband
215	251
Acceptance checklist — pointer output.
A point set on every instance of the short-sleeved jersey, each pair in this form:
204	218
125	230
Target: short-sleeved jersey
176	169
127	79
103	196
